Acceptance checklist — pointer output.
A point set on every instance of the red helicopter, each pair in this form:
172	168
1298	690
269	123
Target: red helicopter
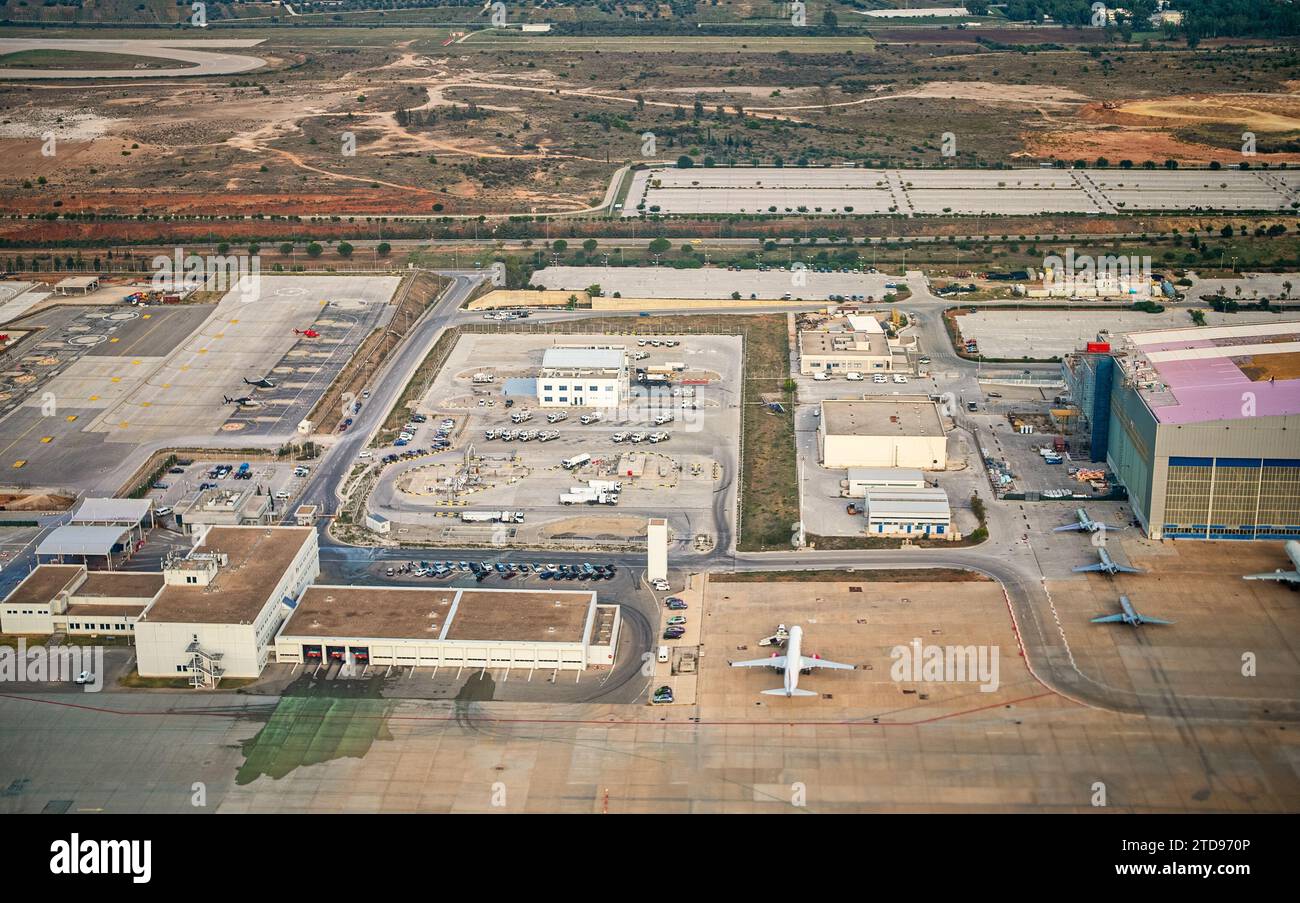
307	333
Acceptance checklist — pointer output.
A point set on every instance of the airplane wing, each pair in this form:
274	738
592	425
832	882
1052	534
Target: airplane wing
1286	576
1148	620
1129	570
806	662
1068	528
1084	568
774	662
1108	619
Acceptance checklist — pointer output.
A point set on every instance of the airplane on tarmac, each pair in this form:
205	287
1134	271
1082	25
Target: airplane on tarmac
1085	523
793	664
1107	566
244	401
264	383
1290	577
1129	615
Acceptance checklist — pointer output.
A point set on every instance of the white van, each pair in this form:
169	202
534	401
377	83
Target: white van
821	376
664	654
853	376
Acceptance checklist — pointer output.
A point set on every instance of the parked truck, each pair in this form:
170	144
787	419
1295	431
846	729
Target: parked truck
583	495
593	417
575	462
492	517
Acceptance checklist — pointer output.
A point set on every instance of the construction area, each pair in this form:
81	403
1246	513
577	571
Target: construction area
510	468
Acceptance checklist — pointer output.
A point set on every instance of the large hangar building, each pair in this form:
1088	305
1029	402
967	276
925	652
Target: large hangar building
1204	430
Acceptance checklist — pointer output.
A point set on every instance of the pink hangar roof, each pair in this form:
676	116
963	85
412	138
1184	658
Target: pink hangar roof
1200	389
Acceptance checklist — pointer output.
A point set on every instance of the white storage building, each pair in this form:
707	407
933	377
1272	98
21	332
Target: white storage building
861	479
882	431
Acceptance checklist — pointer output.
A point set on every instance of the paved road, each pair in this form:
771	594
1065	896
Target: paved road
201	53
386	388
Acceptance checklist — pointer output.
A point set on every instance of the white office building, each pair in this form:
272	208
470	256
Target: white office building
583	376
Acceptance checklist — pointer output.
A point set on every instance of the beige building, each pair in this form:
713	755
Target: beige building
882	431
854	344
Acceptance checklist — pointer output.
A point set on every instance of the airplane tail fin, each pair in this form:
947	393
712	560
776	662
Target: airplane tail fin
780	691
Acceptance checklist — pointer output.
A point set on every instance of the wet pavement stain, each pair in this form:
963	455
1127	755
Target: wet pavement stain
316	721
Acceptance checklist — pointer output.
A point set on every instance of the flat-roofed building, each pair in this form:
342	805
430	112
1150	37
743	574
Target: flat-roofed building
450	627
860	479
910	512
222	604
225	508
1204	430
77	285
56	598
589	376
882	431
853	344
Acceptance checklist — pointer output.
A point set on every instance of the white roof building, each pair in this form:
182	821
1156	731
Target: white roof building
910	512
127	512
80	543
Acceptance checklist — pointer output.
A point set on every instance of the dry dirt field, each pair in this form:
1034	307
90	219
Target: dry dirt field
527	128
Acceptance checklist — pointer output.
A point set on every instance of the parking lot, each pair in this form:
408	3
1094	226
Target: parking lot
281	481
824	190
808	284
688	476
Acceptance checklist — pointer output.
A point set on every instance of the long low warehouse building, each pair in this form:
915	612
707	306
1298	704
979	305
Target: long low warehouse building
453	628
910	512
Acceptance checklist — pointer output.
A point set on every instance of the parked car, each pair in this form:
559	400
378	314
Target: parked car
676	603
663	696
